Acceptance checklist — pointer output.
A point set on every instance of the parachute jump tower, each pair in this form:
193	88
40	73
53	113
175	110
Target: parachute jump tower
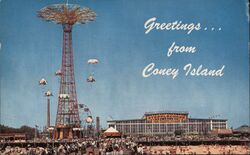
67	15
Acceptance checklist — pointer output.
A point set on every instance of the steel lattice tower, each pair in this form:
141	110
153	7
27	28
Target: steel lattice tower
67	15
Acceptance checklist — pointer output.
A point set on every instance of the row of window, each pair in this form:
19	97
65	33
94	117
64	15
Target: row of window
140	128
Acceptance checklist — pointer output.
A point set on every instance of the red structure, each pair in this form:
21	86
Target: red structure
67	15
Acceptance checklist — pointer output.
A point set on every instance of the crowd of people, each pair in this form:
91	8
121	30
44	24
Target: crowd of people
119	146
88	147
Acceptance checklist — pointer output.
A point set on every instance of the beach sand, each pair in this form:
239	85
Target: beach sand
199	149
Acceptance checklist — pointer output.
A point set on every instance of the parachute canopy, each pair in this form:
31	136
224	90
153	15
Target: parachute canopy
64	96
91	79
58	72
48	93
42	82
93	61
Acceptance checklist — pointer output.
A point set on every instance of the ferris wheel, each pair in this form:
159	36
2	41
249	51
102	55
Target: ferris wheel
86	119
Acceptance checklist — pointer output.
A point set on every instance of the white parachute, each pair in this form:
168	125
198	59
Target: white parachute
91	76
48	93
43	82
93	61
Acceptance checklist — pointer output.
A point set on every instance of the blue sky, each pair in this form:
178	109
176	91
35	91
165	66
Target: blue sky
31	50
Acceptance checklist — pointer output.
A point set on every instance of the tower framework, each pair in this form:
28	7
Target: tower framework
67	15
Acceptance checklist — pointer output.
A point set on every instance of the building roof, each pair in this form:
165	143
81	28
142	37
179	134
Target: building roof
111	130
208	119
115	120
9	135
109	121
166	112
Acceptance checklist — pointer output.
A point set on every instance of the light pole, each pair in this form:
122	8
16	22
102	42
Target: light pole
36	132
48	94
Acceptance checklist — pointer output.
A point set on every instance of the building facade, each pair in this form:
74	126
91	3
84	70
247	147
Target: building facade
166	123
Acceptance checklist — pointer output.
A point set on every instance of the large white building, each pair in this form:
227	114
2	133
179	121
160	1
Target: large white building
166	122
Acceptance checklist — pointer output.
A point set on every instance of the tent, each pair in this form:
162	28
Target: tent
111	132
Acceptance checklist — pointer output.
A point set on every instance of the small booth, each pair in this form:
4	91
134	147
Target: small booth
111	133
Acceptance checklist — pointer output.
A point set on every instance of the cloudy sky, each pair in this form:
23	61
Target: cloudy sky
31	50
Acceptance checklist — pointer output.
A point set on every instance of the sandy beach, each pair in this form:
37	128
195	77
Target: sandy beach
200	149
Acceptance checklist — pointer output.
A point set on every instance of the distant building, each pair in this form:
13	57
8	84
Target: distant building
165	123
242	130
13	136
221	132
